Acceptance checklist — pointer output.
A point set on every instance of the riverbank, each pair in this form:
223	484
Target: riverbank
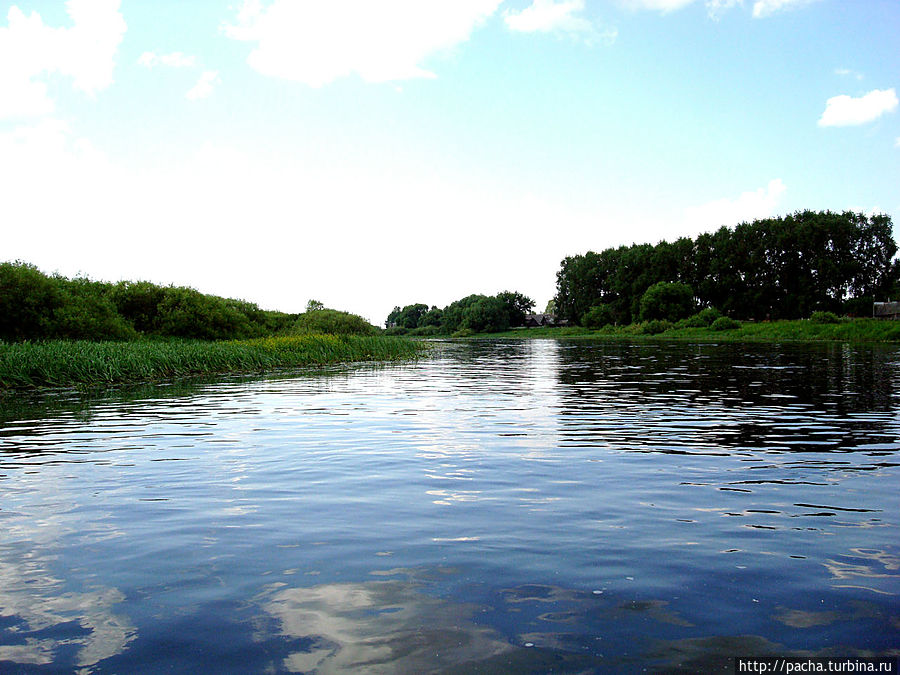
62	363
845	330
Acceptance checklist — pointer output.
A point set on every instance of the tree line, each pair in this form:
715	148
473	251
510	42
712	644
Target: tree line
37	306
775	268
475	314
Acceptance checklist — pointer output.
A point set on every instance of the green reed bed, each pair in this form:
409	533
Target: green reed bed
67	363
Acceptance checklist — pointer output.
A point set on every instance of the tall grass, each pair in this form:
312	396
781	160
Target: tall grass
67	363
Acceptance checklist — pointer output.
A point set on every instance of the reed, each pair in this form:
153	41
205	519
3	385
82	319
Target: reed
72	363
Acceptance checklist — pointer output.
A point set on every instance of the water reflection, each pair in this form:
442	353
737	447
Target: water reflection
380	627
46	617
528	507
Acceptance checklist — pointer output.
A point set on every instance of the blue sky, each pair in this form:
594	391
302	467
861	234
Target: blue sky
373	154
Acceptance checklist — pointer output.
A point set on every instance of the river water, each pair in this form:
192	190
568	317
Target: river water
505	507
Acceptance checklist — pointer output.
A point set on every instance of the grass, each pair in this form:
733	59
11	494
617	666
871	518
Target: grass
846	330
60	363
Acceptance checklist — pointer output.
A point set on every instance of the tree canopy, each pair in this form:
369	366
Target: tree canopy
779	268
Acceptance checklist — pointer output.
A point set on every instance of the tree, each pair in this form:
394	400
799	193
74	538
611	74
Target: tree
665	300
517	306
314	306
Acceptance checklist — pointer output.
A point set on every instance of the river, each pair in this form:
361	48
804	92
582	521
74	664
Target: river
499	506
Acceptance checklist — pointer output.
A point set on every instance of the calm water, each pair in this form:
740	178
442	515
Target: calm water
500	507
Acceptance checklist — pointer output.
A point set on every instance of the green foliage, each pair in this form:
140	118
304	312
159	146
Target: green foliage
425	331
462	333
475	313
667	300
28	302
701	319
35	306
333	322
486	315
656	326
724	323
824	317
516	305
138	302
598	316
396	330
314	306
66	363
409	317
768	269
88	313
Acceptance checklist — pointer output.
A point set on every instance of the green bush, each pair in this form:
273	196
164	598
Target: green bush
333	322
396	330
597	317
88	313
425	331
824	317
669	301
724	323
462	333
655	326
28	301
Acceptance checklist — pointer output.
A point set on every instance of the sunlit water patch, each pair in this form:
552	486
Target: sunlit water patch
497	507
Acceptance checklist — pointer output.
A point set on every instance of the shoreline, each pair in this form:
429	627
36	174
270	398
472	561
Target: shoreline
56	364
877	331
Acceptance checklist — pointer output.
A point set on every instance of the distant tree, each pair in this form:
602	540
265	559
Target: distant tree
314	306
517	306
551	307
486	315
433	317
669	301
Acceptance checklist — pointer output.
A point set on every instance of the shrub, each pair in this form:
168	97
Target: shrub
333	322
597	317
824	317
396	330
655	326
88	313
425	331
724	323
462	333
665	300
28	300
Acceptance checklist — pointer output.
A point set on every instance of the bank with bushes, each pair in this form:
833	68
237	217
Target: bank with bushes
821	326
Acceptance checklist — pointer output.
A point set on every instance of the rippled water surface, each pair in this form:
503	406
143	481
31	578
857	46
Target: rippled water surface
499	507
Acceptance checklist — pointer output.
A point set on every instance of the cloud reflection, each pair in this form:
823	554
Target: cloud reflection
380	627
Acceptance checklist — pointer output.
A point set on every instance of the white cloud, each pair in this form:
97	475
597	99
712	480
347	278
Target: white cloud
30	50
842	111
760	203
656	5
549	16
715	8
318	42
764	8
173	60
847	72
204	87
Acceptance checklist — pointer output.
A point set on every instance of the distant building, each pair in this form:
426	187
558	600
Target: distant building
886	310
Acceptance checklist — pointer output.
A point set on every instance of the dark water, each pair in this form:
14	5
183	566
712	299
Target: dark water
501	507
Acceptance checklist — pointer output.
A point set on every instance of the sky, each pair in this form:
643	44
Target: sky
372	154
